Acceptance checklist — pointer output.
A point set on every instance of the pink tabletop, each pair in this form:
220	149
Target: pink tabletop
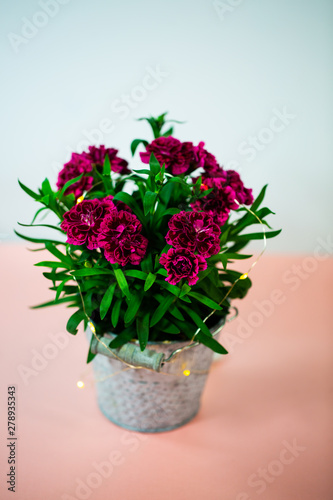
265	426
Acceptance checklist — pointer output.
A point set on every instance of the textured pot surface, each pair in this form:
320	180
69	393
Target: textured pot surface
147	401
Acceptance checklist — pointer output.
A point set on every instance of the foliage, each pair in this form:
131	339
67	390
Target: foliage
136	302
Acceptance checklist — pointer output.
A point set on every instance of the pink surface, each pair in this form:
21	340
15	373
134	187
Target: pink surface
264	430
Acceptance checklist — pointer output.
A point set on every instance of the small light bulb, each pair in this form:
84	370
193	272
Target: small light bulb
81	198
92	326
186	373
80	384
243	277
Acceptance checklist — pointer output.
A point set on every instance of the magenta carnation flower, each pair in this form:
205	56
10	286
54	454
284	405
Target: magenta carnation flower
205	159
76	166
217	204
178	156
97	155
182	263
242	194
195	231
228	192
219	177
121	239
82	222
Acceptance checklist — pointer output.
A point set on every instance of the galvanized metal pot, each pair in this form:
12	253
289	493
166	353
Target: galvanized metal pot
157	399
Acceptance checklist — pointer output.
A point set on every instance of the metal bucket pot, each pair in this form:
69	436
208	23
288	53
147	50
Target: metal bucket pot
158	399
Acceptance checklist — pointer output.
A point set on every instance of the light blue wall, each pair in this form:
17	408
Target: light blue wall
226	67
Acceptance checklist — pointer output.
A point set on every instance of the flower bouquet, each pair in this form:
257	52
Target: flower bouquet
143	257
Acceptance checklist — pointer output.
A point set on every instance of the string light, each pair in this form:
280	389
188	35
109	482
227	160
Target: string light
81	198
80	384
243	277
92	327
186	373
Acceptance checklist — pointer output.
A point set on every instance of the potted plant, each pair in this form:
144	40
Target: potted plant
140	270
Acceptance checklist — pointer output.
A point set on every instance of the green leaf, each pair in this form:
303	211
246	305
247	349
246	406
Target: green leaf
91	272
142	330
154	165
149	202
171	288
130	201
159	178
225	257
42	225
147	264
31	193
163	272
205	300
133	307
184	290
161	310
55	302
165	193
133	273
168	132
115	313
149	281
38	240
153	124
91	355
143	171
176	313
171	211
236	256
196	319
106	300
56	276
202	274
46	188
255	236
122	338
61	287
122	282
179	180
249	219
107	166
74	321
224	235
61	193
211	343
50	247
45	199
168	327
52	264
257	202
136	143
37	213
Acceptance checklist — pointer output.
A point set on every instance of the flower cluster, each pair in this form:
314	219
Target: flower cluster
83	164
123	232
195	237
99	224
228	192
